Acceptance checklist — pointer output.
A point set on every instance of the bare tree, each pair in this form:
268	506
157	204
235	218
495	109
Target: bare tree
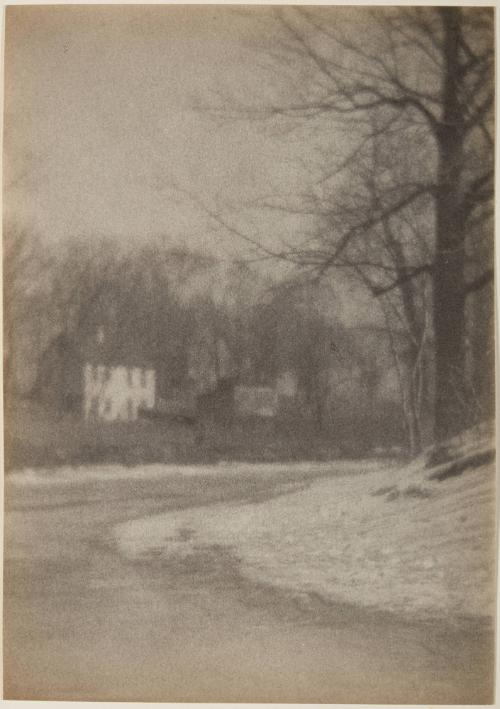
24	288
418	83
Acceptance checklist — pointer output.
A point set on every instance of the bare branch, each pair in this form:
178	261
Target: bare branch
479	282
425	268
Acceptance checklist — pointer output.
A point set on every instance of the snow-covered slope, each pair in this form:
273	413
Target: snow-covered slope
418	540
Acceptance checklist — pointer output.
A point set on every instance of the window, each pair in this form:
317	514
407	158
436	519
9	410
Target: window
107	407
130	410
143	378
129	377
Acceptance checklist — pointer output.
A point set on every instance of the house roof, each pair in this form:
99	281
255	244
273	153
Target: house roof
107	351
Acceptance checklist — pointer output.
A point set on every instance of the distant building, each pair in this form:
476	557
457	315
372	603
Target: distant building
118	378
58	380
113	393
209	362
287	385
256	401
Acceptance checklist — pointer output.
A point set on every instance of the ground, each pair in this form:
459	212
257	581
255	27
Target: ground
60	439
211	583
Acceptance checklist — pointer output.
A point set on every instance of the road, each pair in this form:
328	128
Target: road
81	623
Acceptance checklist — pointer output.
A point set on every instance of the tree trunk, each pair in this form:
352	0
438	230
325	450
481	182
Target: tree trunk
416	334
413	412
448	277
481	333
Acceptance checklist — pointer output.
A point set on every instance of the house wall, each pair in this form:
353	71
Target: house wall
117	393
287	385
256	401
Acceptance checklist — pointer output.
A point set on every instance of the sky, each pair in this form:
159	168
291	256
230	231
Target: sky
103	120
108	129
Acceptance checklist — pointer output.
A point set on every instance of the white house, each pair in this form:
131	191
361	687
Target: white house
114	393
287	385
256	401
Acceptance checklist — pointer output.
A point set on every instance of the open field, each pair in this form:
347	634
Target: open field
35	436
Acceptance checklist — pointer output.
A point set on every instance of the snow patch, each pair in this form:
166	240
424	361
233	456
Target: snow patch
429	550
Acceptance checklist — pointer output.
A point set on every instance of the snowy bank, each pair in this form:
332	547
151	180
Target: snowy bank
418	540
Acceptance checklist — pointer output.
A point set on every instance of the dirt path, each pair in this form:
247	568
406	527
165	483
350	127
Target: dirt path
82	624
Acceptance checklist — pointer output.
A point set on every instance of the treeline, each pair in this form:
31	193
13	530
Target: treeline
192	318
196	321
